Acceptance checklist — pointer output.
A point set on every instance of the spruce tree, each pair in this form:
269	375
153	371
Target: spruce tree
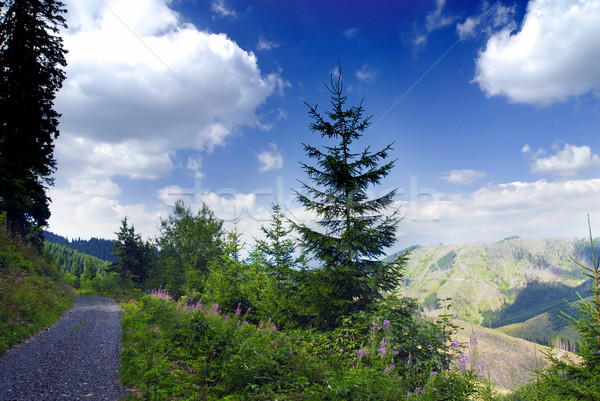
32	58
354	230
135	256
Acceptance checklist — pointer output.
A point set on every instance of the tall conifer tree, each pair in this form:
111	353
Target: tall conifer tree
354	230
32	58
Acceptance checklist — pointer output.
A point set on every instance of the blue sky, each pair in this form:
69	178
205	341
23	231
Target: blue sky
493	108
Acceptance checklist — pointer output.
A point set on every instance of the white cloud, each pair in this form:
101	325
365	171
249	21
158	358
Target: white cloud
141	85
528	209
434	20
366	73
567	162
194	164
467	176
526	149
220	8
264	44
81	157
270	159
554	55
90	208
155	80
488	21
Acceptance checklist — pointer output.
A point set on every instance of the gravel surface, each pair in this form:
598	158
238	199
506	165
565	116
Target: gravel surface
77	358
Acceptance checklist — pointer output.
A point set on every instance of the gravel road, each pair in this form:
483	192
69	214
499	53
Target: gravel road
77	358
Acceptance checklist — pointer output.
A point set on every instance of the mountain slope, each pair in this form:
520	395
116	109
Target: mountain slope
488	277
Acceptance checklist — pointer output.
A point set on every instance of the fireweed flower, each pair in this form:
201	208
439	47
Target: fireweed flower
386	323
375	325
474	341
455	344
361	353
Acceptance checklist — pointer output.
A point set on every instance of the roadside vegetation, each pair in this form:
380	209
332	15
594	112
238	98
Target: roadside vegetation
31	294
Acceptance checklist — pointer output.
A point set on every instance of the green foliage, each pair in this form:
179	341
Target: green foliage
192	351
135	256
30	298
31	61
75	262
355	230
188	244
229	276
279	262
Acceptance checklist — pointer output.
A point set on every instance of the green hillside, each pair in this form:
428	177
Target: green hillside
482	278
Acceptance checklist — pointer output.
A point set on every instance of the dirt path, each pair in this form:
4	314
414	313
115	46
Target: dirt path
75	359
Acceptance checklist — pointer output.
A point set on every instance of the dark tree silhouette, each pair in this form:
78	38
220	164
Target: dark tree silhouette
32	58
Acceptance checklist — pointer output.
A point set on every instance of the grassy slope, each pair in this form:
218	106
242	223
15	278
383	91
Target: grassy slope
30	296
538	329
508	359
486	276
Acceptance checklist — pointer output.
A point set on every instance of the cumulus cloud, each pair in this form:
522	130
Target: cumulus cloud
566	162
146	77
552	57
467	176
142	84
270	159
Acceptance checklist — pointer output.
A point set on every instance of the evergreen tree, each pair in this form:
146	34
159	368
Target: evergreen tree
228	280
31	61
354	229
135	256
188	244
278	259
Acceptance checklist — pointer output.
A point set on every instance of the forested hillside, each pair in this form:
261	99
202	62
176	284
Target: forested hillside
98	247
75	263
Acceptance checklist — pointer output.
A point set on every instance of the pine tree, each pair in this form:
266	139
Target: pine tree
355	230
135	256
31	72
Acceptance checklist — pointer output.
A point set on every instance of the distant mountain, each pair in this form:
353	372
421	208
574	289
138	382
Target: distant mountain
98	247
485	281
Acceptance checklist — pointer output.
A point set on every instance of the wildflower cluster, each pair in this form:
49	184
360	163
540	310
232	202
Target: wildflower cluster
379	347
462	381
161	293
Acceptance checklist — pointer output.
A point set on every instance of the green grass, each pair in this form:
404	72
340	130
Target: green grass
31	297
